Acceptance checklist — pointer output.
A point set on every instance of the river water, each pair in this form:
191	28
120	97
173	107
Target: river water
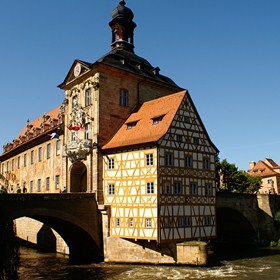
35	265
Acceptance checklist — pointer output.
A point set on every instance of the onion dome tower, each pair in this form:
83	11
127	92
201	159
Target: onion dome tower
122	28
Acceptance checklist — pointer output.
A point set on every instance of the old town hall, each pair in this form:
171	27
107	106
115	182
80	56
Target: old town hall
134	138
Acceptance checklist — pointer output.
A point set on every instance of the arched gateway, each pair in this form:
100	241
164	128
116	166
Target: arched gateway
78	177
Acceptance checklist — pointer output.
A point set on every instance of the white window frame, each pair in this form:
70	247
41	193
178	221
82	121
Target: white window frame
149	159
111	189
150	188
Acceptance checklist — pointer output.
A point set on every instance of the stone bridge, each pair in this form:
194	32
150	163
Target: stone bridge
247	217
74	216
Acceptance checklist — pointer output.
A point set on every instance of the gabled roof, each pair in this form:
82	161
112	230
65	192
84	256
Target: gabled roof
261	168
85	66
140	127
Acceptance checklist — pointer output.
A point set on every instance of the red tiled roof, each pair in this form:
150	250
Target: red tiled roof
144	130
37	122
53	114
262	169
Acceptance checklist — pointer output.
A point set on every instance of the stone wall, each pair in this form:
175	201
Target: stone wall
31	230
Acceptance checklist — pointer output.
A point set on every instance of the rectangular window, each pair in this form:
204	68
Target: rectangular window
111	189
193	190
18	163
179	138
123	97
58	147
39	185
13	165
184	221
168	159
188	161
47	183
57	182
167	188
111	163
32	157
31	186
187	119
40	154
207	220
178	188
148	222
118	222
48	151
7	166
149	159
24	160
88	97
196	141
208	189
87	131
206	163
130	222
150	188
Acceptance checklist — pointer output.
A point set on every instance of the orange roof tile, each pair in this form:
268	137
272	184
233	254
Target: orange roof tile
144	130
37	122
262	169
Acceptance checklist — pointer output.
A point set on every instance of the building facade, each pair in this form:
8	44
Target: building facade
135	139
270	173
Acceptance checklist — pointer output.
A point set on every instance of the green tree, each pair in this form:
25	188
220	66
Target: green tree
233	180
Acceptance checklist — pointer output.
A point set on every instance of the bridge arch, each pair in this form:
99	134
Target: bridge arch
234	227
75	217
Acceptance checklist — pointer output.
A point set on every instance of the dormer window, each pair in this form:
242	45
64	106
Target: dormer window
156	120
130	125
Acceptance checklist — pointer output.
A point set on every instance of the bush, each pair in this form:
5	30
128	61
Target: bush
273	244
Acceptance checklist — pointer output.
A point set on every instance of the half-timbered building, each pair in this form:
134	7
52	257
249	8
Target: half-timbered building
159	173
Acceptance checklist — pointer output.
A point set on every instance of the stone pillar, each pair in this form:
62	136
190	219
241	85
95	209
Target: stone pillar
192	253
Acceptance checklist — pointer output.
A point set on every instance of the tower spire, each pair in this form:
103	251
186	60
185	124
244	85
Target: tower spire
122	26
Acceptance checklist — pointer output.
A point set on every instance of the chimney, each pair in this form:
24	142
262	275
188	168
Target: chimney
252	164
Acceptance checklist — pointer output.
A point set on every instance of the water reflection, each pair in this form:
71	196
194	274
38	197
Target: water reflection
34	265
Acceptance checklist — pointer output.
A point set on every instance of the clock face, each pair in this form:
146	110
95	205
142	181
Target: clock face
77	70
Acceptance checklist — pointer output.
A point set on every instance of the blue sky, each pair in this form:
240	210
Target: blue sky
225	52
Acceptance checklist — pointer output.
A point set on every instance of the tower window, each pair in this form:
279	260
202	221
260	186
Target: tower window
88	97
123	97
87	131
